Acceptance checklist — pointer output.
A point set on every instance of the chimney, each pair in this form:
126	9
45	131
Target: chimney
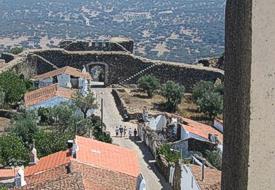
202	169
72	146
20	178
34	158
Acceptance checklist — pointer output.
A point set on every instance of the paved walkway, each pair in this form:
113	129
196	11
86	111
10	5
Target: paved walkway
112	118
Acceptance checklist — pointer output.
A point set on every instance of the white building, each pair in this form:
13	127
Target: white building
194	177
67	77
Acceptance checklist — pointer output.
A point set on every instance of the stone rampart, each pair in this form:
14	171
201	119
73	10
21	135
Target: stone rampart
124	65
120	66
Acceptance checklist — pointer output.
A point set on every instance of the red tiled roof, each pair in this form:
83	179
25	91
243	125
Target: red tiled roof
46	93
212	178
107	156
64	70
8	173
196	128
201	129
48	162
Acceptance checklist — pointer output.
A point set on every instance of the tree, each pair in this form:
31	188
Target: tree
13	86
211	103
48	142
46	115
149	84
12	151
85	103
64	116
2	97
16	50
173	93
202	87
98	132
25	127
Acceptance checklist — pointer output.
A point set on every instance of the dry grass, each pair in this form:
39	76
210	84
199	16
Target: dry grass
136	100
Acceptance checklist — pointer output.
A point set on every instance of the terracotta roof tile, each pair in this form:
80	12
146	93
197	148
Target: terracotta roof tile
212	178
8	173
107	156
64	70
46	93
48	162
201	129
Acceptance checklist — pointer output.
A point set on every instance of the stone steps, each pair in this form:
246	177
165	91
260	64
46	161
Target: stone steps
137	74
45	60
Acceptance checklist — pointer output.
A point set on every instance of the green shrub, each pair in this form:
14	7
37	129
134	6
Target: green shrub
16	50
215	158
168	153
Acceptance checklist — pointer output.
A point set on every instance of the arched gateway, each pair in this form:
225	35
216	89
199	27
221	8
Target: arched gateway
99	72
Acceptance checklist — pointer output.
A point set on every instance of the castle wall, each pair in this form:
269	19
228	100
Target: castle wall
123	65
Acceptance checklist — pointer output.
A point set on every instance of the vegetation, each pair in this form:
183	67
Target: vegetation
173	93
149	84
13	86
48	142
209	97
168	153
98	131
85	103
215	158
201	88
2	97
211	103
16	50
12	151
25	127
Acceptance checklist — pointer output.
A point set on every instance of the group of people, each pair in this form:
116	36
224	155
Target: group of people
123	131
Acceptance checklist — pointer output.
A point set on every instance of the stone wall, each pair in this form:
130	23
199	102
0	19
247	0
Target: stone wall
125	45
121	106
121	66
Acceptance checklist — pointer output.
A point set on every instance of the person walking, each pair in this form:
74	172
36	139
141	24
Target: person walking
135	132
125	131
120	130
117	130
130	132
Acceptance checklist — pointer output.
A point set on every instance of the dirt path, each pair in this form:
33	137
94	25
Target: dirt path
112	118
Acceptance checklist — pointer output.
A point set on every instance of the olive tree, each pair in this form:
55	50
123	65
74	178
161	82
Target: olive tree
85	103
173	93
211	103
149	84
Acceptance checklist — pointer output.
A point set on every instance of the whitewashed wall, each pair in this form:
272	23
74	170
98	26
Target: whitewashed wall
45	82
188	181
64	80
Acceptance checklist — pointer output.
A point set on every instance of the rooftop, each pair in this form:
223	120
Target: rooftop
7	173
48	162
107	156
46	93
64	70
200	129
212	178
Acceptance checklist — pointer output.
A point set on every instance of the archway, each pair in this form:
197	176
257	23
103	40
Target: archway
99	72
